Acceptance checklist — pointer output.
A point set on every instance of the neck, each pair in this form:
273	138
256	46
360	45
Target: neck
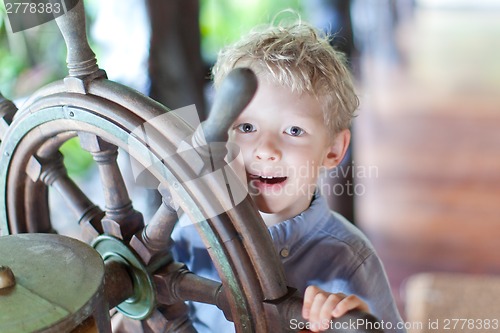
272	219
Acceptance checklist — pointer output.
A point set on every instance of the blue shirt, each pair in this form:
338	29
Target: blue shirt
317	247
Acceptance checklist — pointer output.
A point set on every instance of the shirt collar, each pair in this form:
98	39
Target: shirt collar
291	233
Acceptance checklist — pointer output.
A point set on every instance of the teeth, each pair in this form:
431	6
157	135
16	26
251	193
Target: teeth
265	177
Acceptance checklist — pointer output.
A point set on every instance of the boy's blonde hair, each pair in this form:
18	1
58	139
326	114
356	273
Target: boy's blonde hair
300	57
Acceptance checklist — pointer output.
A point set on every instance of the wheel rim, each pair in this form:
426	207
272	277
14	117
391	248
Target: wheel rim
75	113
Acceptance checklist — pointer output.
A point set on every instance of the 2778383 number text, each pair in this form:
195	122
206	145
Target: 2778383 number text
32	8
471	324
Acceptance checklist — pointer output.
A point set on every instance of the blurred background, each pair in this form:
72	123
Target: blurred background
422	179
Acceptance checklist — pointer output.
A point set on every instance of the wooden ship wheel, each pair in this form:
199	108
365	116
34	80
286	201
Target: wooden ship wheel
139	276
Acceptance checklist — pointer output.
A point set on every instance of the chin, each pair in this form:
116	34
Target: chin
263	205
265	210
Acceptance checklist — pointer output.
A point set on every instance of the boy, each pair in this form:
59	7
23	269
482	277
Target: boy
297	125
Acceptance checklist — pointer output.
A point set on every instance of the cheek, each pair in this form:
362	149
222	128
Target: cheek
309	154
305	164
245	155
238	141
245	146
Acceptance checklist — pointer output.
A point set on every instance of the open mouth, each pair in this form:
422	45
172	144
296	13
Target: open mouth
270	180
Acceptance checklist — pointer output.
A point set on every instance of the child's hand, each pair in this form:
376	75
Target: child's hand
321	306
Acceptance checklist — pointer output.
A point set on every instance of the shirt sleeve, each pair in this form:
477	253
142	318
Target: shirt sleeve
369	282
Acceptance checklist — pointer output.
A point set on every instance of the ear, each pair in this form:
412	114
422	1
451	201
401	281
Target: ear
337	149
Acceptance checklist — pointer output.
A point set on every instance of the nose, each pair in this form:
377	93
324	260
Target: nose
267	150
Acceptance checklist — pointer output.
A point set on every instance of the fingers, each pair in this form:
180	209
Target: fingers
331	304
309	294
320	307
349	303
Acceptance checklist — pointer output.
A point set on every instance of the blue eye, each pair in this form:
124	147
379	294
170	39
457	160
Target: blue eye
246	128
294	131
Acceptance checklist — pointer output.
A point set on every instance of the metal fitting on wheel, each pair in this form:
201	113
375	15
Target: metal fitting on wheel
142	303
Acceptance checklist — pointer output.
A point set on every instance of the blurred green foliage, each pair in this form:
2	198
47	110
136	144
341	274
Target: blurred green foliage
32	58
76	160
29	60
224	21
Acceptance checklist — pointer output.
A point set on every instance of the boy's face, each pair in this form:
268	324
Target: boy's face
284	143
